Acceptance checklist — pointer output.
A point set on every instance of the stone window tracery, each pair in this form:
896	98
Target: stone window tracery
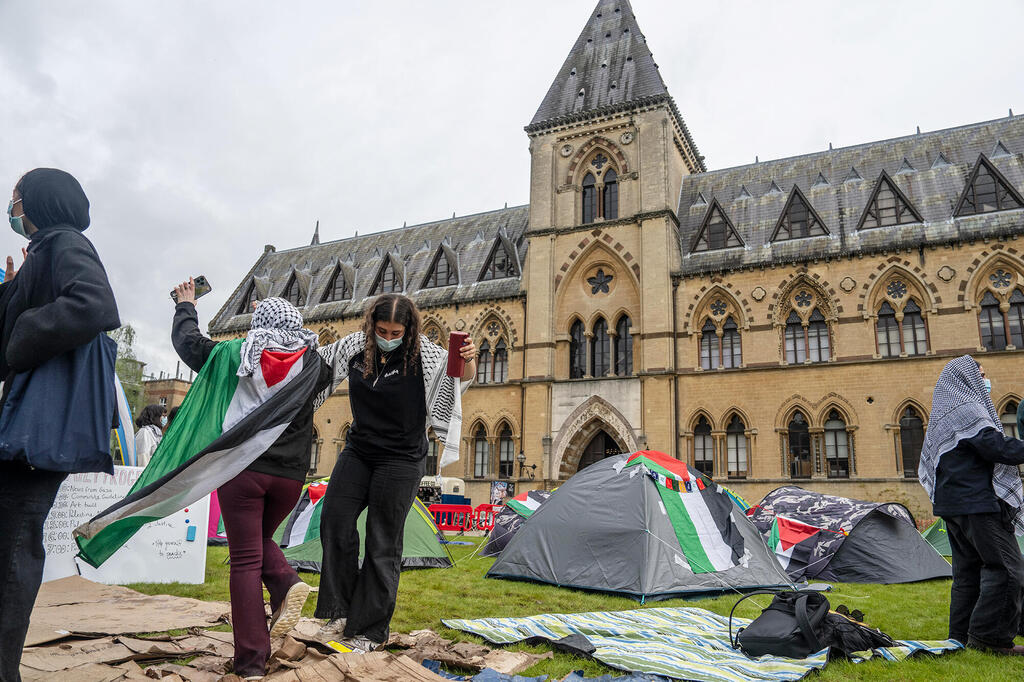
736	448
1001	308
806	334
719	337
600	190
900	328
703	447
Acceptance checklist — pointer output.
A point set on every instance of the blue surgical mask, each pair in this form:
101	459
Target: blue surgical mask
388	345
17	224
988	384
163	421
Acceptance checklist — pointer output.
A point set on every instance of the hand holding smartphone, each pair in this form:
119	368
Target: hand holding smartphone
202	288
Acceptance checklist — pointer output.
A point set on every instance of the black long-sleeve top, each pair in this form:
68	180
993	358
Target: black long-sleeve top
289	456
963	479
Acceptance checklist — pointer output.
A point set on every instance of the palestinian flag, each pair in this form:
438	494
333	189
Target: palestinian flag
700	512
304	522
526	503
787	537
225	423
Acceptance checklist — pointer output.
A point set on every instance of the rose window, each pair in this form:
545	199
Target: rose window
803	299
896	289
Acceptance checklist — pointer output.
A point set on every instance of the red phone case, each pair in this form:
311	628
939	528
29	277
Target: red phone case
456	364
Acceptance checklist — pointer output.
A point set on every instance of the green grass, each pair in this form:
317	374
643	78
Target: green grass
915	611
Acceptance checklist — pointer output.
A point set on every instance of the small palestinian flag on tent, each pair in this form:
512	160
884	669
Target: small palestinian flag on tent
304	522
223	425
511	517
789	537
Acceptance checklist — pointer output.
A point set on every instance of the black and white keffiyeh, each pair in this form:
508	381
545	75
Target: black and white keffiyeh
276	325
443	393
961	408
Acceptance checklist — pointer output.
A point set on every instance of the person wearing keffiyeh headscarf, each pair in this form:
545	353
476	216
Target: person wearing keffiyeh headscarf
969	469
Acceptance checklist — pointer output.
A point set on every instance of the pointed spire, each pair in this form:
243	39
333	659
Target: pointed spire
1000	150
774	188
610	50
941	161
852	176
822	181
744	194
316	235
905	167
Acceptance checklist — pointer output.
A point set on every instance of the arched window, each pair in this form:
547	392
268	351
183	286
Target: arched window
481	458
796	341
915	340
600	355
911	438
732	354
710	346
703	447
483	363
623	347
736	445
250	297
817	337
1009	419
589	198
837	450
799	447
577	351
432	457
887	332
291	292
500	362
1015	319
442	273
388	281
336	289
506	457
993	331
611	195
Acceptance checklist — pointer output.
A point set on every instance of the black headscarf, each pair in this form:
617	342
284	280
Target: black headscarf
52	197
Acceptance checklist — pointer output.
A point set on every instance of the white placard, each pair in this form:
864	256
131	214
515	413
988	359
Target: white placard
159	553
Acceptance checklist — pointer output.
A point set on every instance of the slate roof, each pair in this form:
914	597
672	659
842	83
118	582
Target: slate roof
469	239
931	169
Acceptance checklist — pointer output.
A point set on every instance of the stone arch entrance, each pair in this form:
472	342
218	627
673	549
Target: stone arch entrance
594	416
600	446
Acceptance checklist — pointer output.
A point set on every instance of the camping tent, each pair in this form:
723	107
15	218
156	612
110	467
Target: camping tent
508	521
299	534
936	536
643	525
838	539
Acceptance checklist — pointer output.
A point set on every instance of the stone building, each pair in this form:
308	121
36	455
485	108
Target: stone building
775	322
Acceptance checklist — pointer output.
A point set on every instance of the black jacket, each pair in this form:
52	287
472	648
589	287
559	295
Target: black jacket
963	479
60	298
289	456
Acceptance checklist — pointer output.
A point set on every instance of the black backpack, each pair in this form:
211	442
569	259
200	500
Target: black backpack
791	626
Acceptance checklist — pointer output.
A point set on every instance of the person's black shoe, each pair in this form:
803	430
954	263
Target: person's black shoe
1016	650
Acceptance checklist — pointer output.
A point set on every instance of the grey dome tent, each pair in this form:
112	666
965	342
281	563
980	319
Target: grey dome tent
839	539
643	525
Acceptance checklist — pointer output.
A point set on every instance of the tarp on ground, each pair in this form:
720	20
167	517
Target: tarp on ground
839	539
299	534
937	537
508	521
643	525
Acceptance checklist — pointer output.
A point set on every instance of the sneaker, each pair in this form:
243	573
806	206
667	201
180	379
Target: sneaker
362	644
288	614
1015	650
332	629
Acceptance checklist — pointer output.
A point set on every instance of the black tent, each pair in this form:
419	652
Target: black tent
838	539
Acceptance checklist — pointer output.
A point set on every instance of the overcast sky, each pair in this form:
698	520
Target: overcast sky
203	130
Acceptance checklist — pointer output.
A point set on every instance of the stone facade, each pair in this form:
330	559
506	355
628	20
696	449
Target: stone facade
778	322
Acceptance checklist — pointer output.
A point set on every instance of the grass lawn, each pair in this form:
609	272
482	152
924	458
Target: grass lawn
915	611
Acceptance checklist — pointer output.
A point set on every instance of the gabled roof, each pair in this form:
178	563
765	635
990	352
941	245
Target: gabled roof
702	242
902	207
943	161
1006	196
469	238
609	63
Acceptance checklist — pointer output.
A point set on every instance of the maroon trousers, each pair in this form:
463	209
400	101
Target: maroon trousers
252	506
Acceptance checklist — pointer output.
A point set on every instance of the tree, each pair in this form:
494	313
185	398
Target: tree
128	367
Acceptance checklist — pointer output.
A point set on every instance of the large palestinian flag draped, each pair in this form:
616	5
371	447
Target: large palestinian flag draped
224	424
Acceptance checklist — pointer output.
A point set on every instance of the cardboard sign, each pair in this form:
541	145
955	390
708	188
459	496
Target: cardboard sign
169	550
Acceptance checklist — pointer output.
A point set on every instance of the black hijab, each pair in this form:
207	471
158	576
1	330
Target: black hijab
52	197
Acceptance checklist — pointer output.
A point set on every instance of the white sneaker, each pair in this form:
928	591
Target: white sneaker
332	629
362	644
288	614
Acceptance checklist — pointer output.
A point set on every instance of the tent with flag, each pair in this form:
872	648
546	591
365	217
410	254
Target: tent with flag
936	536
223	425
299	534
643	525
508	521
838	539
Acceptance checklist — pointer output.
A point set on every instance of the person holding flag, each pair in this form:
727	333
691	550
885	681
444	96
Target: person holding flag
398	387
244	429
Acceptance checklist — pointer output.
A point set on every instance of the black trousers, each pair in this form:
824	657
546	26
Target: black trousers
26	496
988	579
365	595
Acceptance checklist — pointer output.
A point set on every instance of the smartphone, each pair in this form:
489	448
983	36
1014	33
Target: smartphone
202	288
456	364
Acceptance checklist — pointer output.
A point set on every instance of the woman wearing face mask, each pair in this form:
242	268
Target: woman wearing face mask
397	387
59	300
150	424
969	469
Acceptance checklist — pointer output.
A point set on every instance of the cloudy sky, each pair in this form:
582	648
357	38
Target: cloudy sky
203	130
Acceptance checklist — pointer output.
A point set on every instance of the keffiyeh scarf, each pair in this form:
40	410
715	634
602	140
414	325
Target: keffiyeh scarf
961	408
276	325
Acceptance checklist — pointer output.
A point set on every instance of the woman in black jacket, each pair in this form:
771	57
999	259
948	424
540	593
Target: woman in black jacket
255	502
59	300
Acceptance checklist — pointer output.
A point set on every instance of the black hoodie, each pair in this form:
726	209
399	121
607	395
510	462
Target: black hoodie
60	298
